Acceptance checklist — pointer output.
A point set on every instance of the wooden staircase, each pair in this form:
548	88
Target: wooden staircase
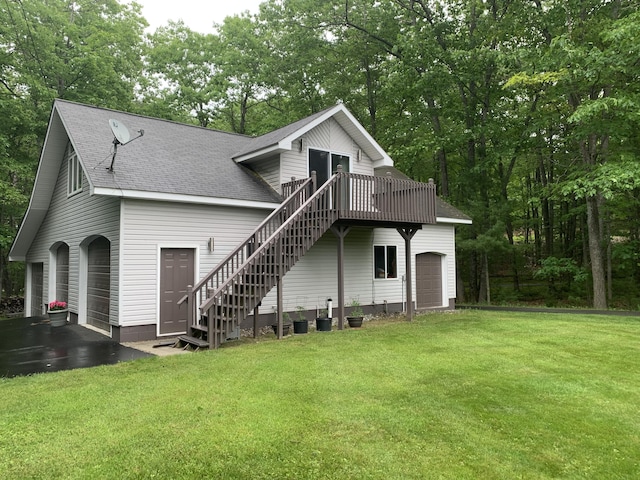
219	302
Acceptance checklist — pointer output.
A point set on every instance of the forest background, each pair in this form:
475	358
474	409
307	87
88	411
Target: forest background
525	112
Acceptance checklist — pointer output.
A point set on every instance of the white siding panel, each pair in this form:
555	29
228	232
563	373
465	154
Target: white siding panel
432	238
149	226
314	278
326	136
71	220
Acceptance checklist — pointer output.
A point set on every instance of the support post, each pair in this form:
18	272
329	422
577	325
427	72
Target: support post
314	182
191	302
340	232
407	234
279	308
256	315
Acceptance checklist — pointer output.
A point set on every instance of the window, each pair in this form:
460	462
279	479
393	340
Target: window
385	261
74	172
326	164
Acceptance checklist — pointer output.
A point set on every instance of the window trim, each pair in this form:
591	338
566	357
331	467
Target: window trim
386	276
74	172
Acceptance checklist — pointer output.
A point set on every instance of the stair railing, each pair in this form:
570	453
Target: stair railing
230	263
238	295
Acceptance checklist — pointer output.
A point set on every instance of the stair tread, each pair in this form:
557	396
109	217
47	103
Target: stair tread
198	342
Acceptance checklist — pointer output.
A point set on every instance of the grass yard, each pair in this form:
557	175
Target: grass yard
458	395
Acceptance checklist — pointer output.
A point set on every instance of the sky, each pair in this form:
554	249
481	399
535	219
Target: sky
198	15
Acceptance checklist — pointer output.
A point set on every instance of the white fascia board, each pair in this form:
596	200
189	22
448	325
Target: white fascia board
385	159
264	151
454	220
286	143
181	198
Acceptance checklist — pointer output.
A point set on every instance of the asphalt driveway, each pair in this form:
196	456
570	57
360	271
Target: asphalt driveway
31	345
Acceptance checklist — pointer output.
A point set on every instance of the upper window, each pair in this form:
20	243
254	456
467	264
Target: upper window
326	164
385	261
74	172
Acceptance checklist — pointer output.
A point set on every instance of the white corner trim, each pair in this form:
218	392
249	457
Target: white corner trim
181	198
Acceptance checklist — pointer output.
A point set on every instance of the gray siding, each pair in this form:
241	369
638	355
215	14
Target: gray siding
72	220
269	170
149	226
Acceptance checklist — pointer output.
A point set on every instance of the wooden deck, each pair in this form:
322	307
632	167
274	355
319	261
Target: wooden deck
231	291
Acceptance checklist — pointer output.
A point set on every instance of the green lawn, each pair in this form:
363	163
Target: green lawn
463	395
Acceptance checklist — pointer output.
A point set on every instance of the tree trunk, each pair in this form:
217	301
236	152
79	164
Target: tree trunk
595	254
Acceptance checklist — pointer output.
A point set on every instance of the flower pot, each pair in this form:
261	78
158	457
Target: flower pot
285	329
58	318
354	322
323	324
300	326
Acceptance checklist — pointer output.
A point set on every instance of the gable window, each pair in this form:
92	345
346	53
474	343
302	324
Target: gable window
385	261
326	163
74	172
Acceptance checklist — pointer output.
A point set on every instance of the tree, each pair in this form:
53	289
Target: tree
81	50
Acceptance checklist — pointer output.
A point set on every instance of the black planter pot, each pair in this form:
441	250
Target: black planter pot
323	324
300	326
285	329
354	322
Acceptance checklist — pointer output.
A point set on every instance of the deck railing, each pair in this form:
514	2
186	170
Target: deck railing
232	290
385	199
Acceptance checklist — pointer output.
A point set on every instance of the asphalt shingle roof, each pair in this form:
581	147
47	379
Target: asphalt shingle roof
169	158
274	137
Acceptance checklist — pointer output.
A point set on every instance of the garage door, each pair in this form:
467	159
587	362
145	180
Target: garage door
428	280
98	283
176	273
36	289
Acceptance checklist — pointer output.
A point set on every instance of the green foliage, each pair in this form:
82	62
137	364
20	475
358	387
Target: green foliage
554	269
87	51
356	310
300	313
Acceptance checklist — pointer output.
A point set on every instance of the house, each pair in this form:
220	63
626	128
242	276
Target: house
129	234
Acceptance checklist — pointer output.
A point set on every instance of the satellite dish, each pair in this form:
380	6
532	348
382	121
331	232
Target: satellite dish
121	137
119	131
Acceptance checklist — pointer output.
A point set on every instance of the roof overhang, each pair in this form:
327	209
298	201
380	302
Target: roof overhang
346	120
181	198
46	176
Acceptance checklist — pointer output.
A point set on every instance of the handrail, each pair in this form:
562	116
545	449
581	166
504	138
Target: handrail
298	196
237	250
269	241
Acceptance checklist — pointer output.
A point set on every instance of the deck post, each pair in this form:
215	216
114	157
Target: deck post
407	234
340	232
279	269
256	315
279	308
314	182
191	302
